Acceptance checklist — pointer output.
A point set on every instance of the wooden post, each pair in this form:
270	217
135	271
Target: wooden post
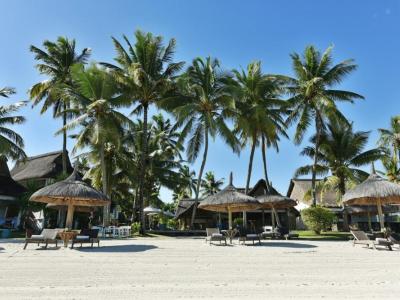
369	221
70	215
272	218
381	216
288	218
244	220
263	217
277	217
230	218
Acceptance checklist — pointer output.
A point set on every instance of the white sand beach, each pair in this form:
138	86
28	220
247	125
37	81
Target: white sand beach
187	268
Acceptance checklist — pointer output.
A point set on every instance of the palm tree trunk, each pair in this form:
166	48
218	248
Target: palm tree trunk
264	157
203	164
104	182
253	148
143	170
314	168
64	149
342	189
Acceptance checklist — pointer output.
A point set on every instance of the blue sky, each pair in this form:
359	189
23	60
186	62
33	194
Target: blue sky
236	32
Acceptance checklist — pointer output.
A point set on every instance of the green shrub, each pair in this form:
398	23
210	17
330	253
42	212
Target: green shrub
135	227
318	218
237	222
172	224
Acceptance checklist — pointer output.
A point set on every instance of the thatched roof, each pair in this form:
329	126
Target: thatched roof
299	187
273	199
86	209
372	189
372	209
48	165
229	199
8	187
184	205
71	190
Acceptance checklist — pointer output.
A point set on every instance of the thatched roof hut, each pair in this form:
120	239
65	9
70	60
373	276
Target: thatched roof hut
40	168
375	190
71	192
9	188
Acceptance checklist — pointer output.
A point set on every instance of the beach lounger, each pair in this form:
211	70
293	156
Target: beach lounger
214	235
395	239
291	235
252	237
48	236
268	232
361	238
87	236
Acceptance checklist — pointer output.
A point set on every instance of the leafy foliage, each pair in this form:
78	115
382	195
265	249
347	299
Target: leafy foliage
318	218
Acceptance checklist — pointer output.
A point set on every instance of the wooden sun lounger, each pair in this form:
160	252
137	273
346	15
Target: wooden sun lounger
214	235
361	238
253	237
48	236
87	236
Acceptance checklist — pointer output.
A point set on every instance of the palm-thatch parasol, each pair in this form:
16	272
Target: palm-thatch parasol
369	210
71	192
374	191
229	200
84	209
273	200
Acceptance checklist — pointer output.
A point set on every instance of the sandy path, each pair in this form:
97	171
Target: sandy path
173	268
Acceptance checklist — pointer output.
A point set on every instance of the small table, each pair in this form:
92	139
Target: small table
230	233
66	236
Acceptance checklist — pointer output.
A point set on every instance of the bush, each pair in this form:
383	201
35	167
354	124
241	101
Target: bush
318	218
238	222
172	224
135	227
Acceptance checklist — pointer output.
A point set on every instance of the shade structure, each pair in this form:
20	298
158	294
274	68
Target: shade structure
71	192
368	210
375	190
152	210
84	209
273	200
229	200
168	214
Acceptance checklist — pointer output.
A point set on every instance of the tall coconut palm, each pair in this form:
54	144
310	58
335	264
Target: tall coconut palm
390	138
96	98
202	110
55	61
341	152
210	185
11	143
146	70
259	118
314	97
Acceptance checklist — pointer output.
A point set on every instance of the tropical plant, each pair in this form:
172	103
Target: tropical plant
390	138
202	110
146	71
341	152
56	61
318	218
96	98
11	143
259	117
391	169
210	185
313	96
187	184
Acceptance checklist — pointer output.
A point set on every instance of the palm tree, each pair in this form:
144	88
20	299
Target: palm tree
260	114
392	169
11	143
96	98
187	183
390	138
56	61
313	97
341	152
202	110
211	185
146	70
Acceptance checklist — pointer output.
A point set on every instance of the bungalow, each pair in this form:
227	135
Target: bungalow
206	219
9	193
42	169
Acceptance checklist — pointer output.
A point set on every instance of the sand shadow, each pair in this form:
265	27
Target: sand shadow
115	248
288	245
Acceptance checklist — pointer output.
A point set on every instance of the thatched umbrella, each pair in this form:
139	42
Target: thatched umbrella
229	200
273	200
84	209
71	192
374	191
369	210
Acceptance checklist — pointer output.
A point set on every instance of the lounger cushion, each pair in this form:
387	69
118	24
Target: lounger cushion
217	235
252	236
37	236
82	237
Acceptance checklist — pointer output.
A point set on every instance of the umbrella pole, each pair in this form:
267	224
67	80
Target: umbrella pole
272	219
277	217
244	220
381	220
230	218
263	217
70	215
369	221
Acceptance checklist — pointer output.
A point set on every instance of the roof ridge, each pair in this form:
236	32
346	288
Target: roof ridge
44	155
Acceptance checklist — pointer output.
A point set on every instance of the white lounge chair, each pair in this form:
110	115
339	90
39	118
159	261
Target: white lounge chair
360	237
214	235
48	236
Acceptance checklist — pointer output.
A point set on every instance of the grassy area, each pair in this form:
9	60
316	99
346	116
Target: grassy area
324	236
